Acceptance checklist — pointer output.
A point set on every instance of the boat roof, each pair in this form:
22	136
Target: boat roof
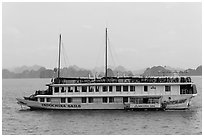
99	95
119	84
119	80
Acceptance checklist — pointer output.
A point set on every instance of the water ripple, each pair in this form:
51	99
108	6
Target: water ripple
112	122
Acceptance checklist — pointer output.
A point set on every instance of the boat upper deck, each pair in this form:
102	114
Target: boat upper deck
75	80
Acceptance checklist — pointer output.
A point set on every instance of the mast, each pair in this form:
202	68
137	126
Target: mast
106	55
58	75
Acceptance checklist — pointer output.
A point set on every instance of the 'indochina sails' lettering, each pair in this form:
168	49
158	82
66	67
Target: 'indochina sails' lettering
61	105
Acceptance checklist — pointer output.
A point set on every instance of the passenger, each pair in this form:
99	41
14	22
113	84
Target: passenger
181	79
157	79
148	80
184	80
172	79
168	80
189	79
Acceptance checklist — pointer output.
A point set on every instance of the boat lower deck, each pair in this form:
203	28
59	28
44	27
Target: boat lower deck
111	103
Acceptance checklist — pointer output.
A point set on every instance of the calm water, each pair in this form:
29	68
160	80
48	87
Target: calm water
17	121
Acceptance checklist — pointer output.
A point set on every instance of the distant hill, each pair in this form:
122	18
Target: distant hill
25	74
163	71
174	69
167	68
120	69
156	71
23	68
194	72
75	71
72	71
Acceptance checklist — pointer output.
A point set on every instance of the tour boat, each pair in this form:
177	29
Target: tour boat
121	92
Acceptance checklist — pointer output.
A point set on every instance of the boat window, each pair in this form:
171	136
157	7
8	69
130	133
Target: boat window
90	99
105	88
125	88
145	100
76	89
83	99
187	89
105	99
153	100
84	89
183	91
91	89
111	99
132	88
145	88
63	90
150	101
136	100
110	88
96	88
63	100
118	88
125	99
56	89
97	100
47	99
69	100
42	99
167	88
50	89
140	101
132	100
70	89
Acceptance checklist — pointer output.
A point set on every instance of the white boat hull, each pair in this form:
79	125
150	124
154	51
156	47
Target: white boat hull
182	103
38	105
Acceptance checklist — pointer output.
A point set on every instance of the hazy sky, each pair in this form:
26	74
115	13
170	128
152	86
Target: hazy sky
140	34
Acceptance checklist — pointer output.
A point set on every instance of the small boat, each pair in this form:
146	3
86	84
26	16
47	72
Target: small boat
165	93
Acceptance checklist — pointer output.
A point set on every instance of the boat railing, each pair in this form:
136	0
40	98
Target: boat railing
123	80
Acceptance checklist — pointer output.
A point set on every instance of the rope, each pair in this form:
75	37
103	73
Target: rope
114	64
65	55
116	57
